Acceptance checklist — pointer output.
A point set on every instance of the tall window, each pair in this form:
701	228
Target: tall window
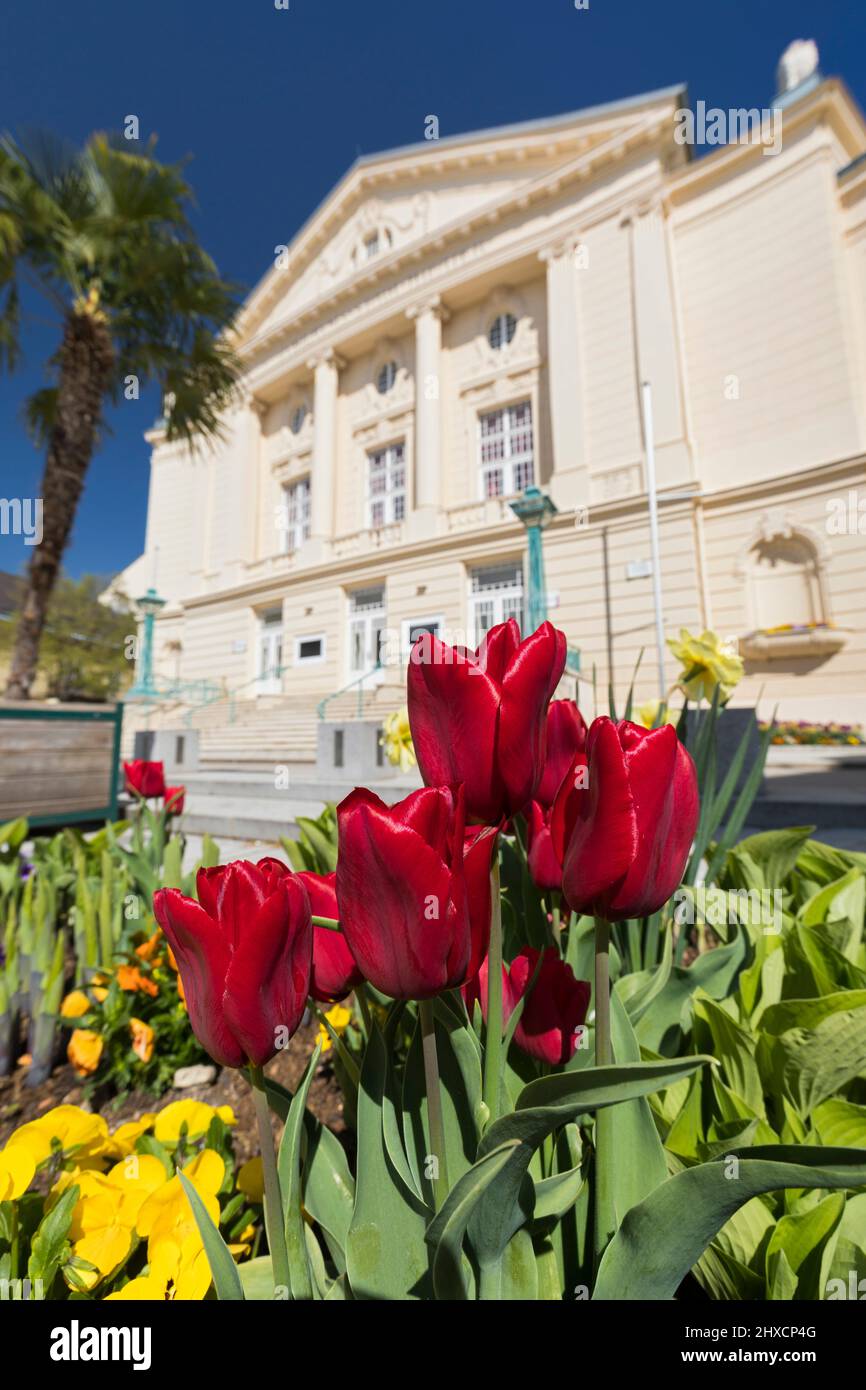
366	628
296	514
386	486
496	594
505	439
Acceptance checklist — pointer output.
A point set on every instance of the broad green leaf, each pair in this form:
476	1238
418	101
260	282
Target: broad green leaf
715	972
811	1065
224	1271
847	895
808	1245
808	1013
775	851
636	1155
638	989
386	1257
734	1047
839	1122
50	1241
781	1279
257	1279
447	1229
556	1195
846	1277
661	1239
519	1275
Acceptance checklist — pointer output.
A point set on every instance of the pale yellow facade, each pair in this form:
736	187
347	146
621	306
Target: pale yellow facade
466	315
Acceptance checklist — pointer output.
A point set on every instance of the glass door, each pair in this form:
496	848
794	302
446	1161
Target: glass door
270	654
366	631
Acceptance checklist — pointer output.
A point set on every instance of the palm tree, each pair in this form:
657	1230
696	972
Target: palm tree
104	233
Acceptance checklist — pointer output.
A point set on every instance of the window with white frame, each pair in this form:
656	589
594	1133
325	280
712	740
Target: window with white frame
366	628
309	649
506	449
495	595
413	628
386	486
296	512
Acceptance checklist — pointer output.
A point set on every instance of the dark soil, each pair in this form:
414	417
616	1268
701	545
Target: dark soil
18	1103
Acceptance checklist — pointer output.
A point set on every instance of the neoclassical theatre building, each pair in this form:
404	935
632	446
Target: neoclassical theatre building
471	315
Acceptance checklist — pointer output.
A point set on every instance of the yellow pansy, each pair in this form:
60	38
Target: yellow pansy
251	1180
16	1173
195	1114
125	1137
178	1271
103	1219
707	662
84	1051
75	1004
397	740
106	1247
167	1212
72	1129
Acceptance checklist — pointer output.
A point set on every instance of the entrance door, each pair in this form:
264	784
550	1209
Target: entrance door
366	632
270	654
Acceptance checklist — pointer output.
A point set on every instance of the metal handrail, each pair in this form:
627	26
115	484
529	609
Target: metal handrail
230	696
322	706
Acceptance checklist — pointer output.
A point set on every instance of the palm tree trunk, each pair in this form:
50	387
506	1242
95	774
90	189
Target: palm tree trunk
85	361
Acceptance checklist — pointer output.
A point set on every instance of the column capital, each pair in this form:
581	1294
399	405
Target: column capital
326	356
567	245
258	407
431	305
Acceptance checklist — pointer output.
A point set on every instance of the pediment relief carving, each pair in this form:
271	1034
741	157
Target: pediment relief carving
503	305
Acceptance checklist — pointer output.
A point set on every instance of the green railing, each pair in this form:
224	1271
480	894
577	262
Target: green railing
322	706
231	696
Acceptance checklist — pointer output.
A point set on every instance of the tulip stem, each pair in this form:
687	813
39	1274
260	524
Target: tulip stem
604	1223
332	923
493	1039
434	1101
274	1221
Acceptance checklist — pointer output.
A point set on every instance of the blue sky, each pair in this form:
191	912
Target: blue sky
274	105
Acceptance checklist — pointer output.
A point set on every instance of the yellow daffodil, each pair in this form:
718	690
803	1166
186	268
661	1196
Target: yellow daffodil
16	1172
84	1051
707	662
339	1018
66	1127
75	1004
142	1039
250	1180
647	714
195	1114
397	740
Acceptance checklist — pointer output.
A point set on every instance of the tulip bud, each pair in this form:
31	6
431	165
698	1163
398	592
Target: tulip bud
627	836
244	953
479	718
413	890
555	1006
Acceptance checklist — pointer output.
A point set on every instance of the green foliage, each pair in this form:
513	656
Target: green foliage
83	652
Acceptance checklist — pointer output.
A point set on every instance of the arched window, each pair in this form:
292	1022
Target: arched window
299	415
784	582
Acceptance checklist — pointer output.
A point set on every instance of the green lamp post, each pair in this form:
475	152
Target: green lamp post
149	605
535	509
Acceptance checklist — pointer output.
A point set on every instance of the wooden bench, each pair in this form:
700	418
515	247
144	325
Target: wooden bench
59	763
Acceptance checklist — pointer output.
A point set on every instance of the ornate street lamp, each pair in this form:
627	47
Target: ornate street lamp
535	509
149	605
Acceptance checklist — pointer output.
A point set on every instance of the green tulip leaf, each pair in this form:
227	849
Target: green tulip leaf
447	1229
635	1153
661	1239
257	1279
386	1255
289	1168
224	1271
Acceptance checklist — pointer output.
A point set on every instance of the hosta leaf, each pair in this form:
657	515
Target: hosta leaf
807	1240
715	972
839	1122
661	1239
224	1271
811	1065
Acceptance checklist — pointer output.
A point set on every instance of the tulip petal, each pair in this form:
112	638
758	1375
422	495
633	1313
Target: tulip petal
268	978
453	714
202	956
335	973
529	681
478	851
604	841
397	903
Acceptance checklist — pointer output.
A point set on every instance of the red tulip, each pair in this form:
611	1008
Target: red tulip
174	800
335	973
413	890
478	718
555	1008
566	736
244	953
144	778
549	827
633	826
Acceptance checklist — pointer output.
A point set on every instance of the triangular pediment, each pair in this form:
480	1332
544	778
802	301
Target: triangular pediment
389	206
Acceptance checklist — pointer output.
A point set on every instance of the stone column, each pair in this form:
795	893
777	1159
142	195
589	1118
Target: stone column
252	499
326	371
428	317
657	345
569	485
